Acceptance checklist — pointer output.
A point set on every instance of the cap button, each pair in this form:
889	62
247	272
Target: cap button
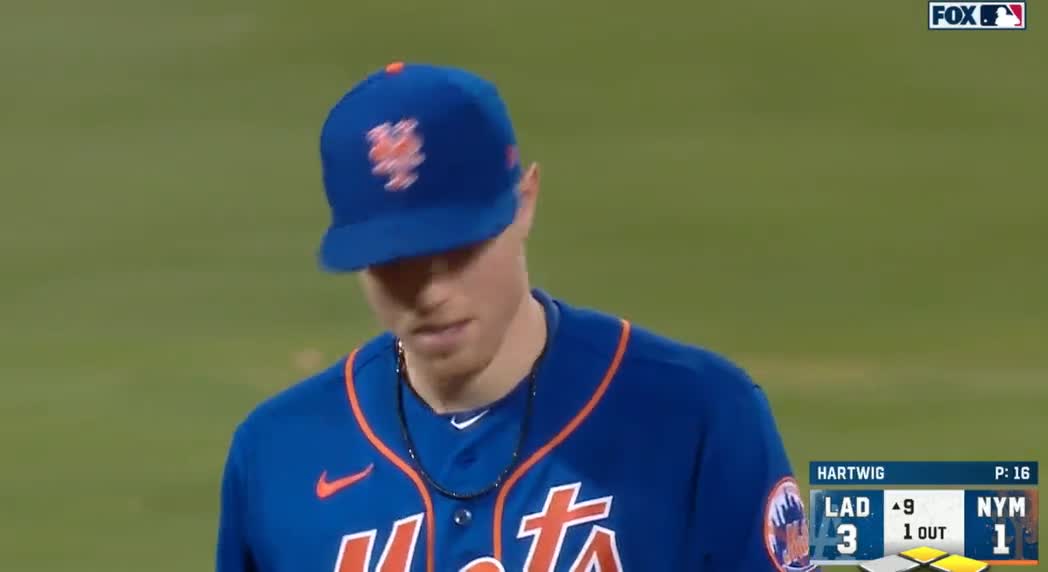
395	67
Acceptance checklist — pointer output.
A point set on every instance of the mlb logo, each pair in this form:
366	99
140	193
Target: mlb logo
976	16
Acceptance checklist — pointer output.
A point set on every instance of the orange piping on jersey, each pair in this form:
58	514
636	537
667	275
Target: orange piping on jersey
393	458
568	429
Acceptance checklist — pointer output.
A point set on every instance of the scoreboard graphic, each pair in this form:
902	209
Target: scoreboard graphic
947	516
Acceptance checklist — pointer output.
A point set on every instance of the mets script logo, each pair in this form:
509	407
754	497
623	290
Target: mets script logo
546	530
786	528
396	151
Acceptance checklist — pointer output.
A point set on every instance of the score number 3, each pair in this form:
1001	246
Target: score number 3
850	534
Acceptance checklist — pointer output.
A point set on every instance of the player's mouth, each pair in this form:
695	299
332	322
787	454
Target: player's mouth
440	337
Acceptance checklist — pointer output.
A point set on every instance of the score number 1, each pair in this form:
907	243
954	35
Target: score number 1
1001	546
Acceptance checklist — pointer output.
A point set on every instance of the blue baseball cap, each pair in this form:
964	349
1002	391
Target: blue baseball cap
417	160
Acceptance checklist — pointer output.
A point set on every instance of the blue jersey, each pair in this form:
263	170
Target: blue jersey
642	454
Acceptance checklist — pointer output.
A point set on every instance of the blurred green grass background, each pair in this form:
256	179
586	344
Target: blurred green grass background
849	205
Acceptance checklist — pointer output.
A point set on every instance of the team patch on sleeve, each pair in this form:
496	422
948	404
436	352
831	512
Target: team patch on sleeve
786	528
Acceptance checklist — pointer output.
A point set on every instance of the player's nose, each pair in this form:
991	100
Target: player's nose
434	288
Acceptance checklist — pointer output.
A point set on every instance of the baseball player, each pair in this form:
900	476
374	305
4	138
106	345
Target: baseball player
491	427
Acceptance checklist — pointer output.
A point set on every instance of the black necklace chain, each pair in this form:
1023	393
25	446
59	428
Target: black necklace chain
401	369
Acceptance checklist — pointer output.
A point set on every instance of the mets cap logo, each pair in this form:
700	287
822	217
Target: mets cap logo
396	153
786	528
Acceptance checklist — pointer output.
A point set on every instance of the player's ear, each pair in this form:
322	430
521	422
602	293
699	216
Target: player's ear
529	191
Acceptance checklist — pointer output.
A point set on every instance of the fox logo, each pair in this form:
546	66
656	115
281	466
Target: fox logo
546	529
396	151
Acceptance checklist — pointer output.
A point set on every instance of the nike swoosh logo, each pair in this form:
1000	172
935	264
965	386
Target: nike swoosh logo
326	488
464	424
